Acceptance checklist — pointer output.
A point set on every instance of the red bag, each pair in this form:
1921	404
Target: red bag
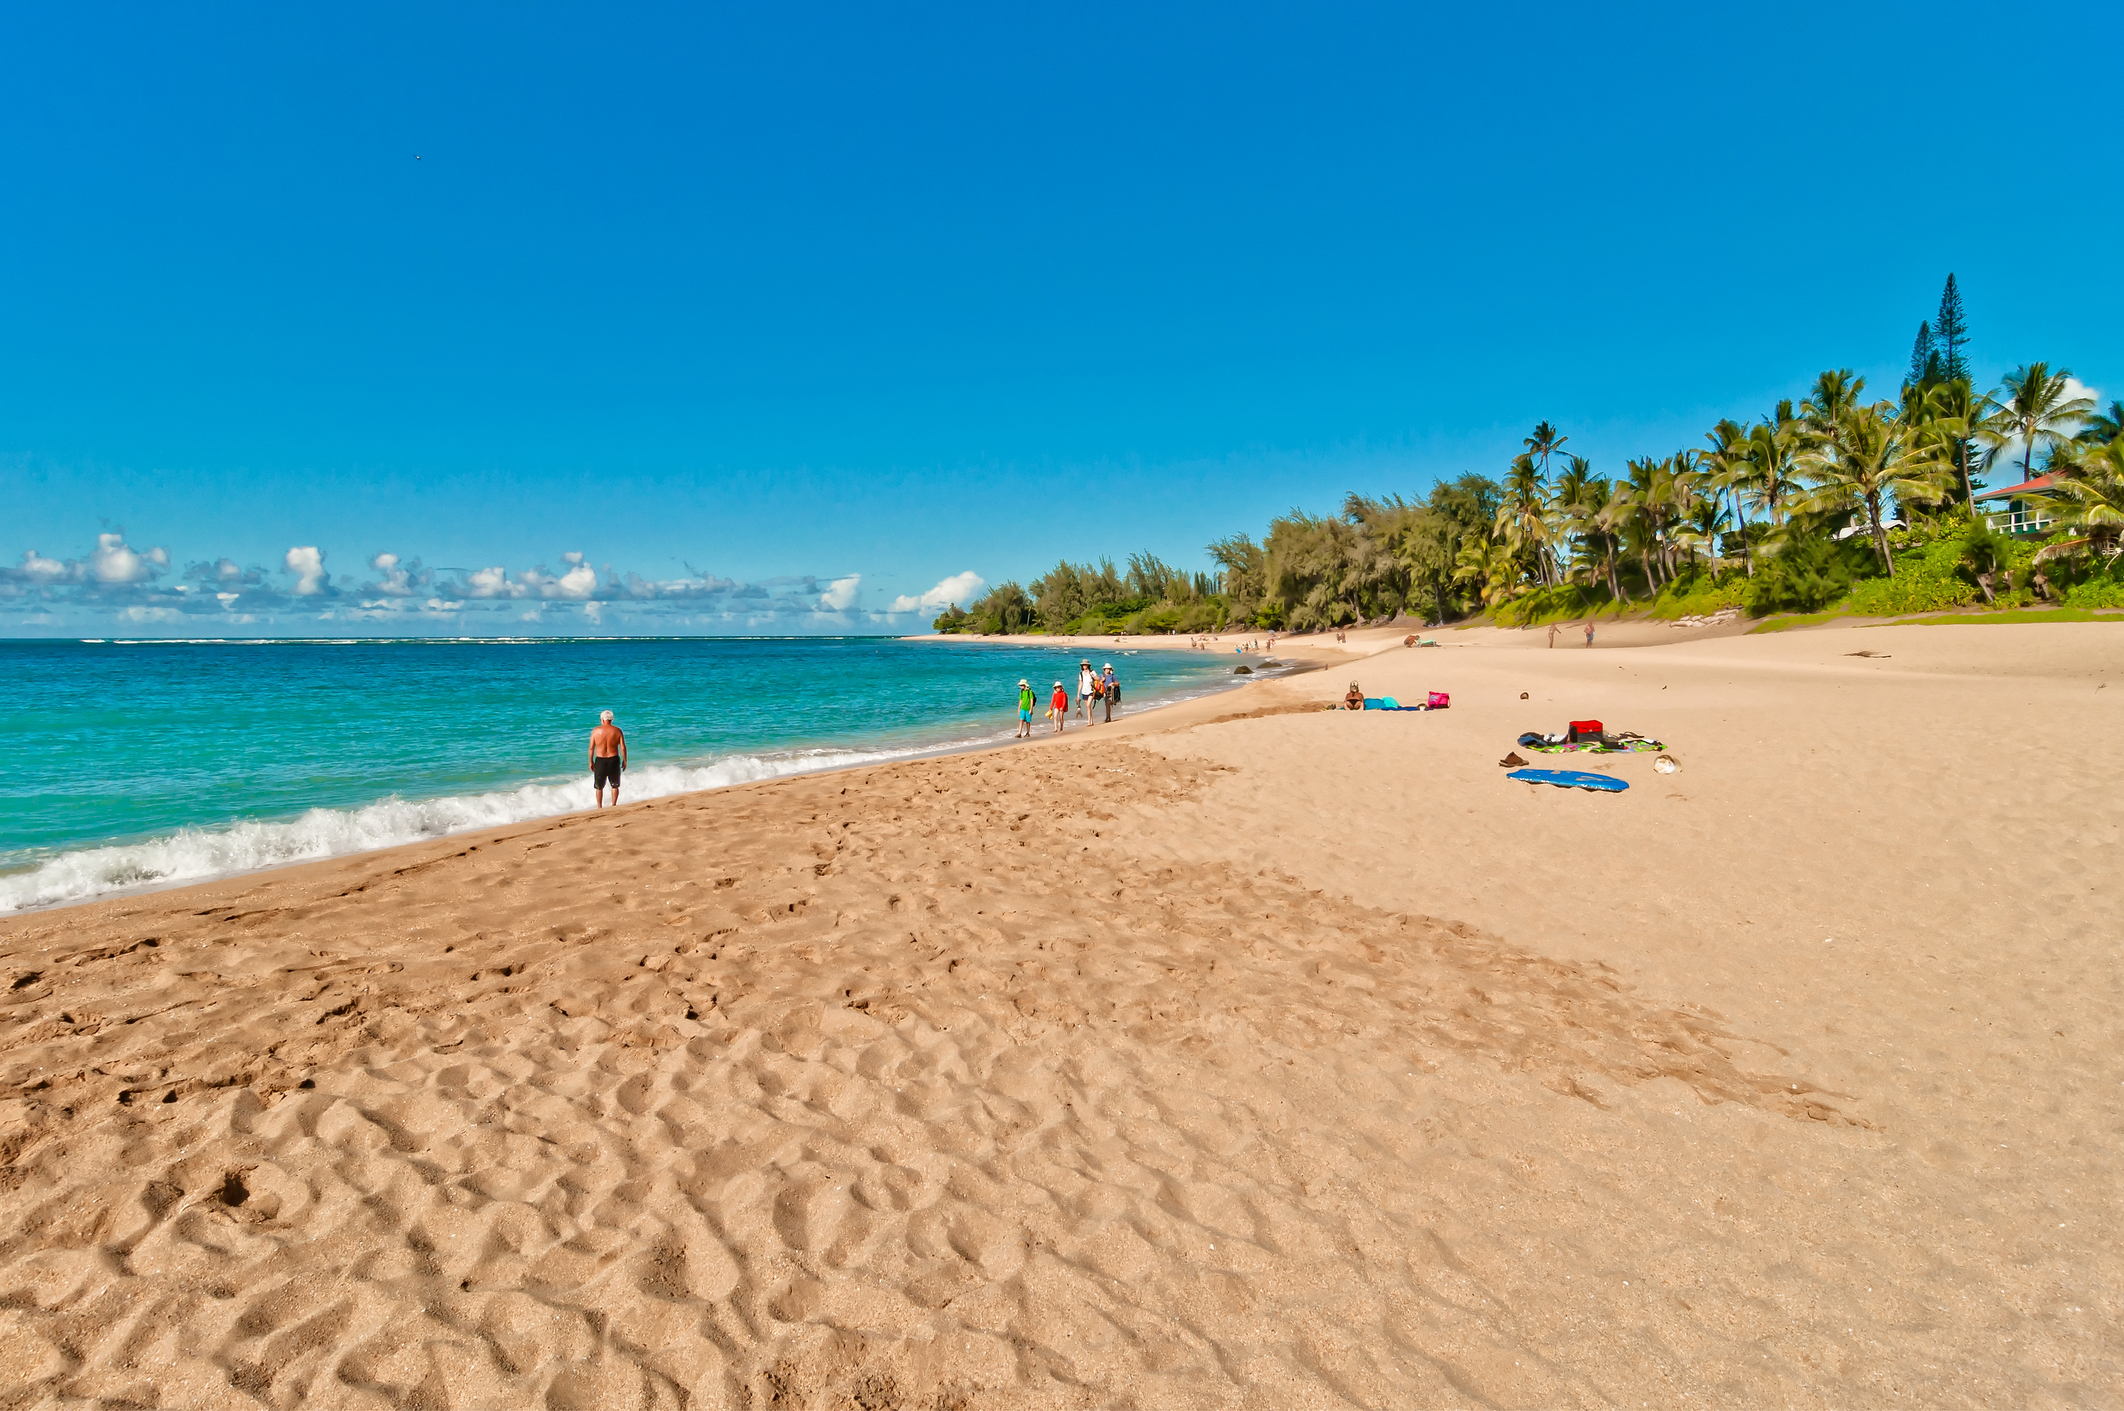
1584	729
1440	700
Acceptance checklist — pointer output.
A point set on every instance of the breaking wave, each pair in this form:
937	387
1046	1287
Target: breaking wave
199	854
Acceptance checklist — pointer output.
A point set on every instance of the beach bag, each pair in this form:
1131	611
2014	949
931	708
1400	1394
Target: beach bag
1440	700
1583	730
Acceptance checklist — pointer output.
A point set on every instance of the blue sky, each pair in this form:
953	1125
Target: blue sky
771	317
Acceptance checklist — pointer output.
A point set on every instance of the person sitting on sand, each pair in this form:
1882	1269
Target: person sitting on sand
1025	708
1060	707
608	758
1355	699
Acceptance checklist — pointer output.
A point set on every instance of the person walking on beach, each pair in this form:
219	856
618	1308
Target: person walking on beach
1084	689
1589	634
1060	707
608	758
1111	691
1552	636
1025	709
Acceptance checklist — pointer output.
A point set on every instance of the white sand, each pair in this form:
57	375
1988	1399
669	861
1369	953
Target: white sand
1295	1059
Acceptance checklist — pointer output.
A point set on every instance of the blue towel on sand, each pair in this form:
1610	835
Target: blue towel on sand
1569	779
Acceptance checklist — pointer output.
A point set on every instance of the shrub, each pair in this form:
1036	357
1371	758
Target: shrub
1809	575
1926	580
1702	594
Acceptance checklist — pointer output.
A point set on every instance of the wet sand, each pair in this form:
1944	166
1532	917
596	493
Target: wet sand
1243	1054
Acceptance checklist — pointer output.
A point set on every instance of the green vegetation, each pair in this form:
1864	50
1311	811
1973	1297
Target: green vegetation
1838	505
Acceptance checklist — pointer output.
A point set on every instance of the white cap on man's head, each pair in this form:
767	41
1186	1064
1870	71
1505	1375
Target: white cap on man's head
606	717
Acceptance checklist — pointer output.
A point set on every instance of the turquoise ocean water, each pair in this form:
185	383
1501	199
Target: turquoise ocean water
148	763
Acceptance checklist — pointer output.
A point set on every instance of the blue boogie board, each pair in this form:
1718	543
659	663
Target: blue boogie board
1569	779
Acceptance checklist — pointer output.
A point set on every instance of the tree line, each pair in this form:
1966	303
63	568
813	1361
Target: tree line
1839	498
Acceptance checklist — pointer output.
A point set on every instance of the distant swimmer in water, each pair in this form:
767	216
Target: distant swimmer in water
608	758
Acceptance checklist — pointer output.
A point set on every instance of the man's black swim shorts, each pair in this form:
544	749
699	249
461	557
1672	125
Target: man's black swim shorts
605	772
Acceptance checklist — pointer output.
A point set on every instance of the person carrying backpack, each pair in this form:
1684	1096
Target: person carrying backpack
1026	701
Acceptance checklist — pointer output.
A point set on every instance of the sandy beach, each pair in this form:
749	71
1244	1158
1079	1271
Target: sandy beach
1240	1054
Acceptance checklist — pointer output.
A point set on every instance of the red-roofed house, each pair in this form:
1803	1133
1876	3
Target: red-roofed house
2022	508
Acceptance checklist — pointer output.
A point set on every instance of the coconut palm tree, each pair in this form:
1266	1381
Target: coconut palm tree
1569	510
1948	413
1487	564
1658	488
2034	407
1524	515
2102	426
1544	441
1611	520
2093	500
1726	471
1772	455
1835	393
1873	456
1700	523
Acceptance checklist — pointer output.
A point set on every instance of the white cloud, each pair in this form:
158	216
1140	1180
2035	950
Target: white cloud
114	562
393	578
44	570
840	595
960	588
578	582
595	611
491	583
307	564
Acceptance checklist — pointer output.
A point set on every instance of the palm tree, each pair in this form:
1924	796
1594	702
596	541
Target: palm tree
2094	500
1873	456
1542	443
2034	407
1701	523
1611	519
1727	470
1772	458
2103	426
1948	413
1835	393
1656	488
1524	514
1570	508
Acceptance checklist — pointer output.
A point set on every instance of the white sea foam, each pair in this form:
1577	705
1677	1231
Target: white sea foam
197	854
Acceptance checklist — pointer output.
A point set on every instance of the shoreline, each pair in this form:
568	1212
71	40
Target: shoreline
1178	1065
774	764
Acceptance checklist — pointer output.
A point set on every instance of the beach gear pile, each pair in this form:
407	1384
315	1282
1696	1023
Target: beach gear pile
1590	737
1433	700
1585	737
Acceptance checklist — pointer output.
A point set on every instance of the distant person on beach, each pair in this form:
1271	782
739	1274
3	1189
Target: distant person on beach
1355	699
1026	701
608	758
1110	691
1552	636
1084	689
1589	634
1060	704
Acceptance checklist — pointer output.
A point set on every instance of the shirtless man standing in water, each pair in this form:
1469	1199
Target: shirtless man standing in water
608	758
